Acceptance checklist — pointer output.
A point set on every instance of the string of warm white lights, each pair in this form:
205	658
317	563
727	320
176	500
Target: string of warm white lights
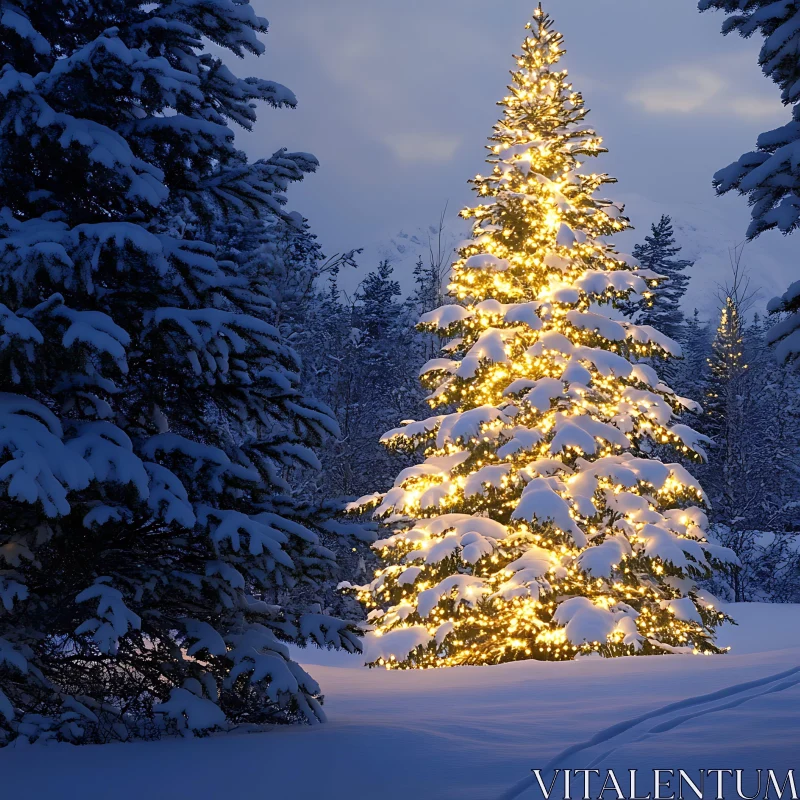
539	524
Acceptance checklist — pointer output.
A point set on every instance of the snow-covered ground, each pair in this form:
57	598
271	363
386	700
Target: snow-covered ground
471	733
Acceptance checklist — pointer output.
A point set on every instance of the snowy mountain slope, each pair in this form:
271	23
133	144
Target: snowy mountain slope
404	247
469	733
706	231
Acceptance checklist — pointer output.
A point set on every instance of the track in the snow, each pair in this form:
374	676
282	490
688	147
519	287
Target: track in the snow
595	750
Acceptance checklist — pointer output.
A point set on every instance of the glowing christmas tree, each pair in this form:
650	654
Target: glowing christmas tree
537	526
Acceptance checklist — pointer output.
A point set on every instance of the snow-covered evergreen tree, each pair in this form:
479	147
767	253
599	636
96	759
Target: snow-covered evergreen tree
768	176
361	354
726	363
537	526
149	535
426	296
692	371
376	297
662	309
359	357
284	257
431	277
752	474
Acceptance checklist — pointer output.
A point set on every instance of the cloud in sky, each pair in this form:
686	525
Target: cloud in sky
390	101
397	99
705	88
422	146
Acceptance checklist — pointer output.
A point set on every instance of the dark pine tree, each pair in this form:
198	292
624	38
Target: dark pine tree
659	253
692	374
377	311
148	530
661	309
768	176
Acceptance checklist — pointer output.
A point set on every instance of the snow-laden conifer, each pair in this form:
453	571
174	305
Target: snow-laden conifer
725	365
151	409
537	525
661	308
658	252
769	176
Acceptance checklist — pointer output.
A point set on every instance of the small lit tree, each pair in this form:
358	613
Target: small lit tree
725	364
537	526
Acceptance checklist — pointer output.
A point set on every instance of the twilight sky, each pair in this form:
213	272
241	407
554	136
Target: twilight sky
396	100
